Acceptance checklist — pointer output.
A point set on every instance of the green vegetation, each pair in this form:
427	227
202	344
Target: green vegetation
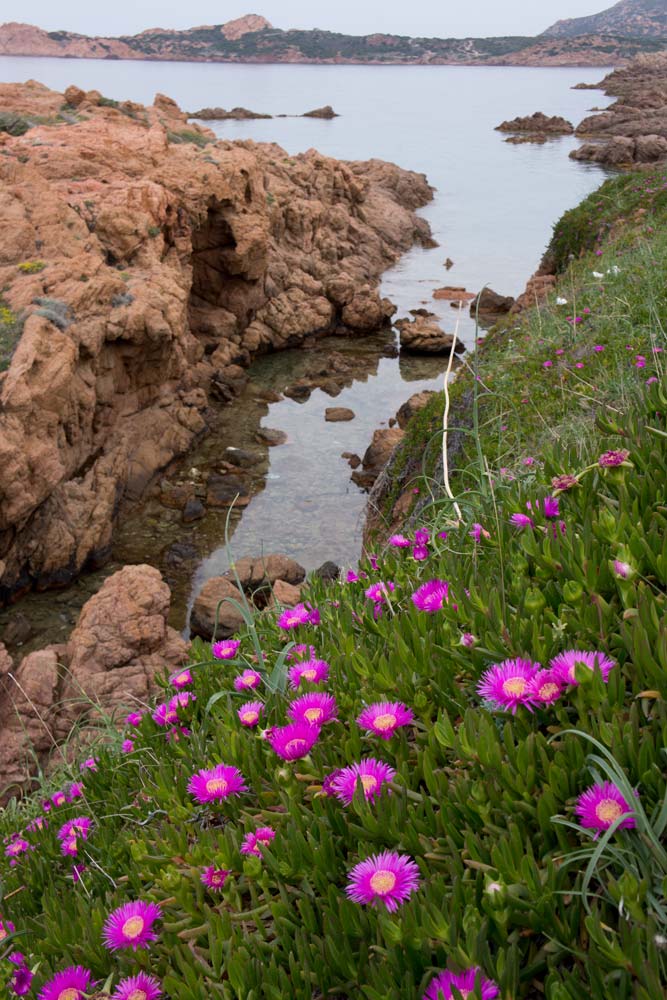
189	135
31	266
11	327
483	799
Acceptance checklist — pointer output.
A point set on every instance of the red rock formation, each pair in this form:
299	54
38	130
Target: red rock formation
144	258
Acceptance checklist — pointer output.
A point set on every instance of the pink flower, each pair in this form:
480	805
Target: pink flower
300	615
134	718
90	764
165	714
370	773
250	712
214	878
352	577
127	746
400	542
247	681
640	361
602	805
71	832
522	521
294	741
216	784
379	592
431	596
468	639
507	685
610	459
564	482
312	671
478	532
545	687
226	649
420	553
6	928
300	652
563	665
71	984
547	364
315	709
131	926
139	987
623	569
388	879
551	508
17	847
441	986
384	718
181	680
254	842
598	347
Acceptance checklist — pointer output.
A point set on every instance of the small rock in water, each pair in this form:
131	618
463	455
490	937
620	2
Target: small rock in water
194	510
223	491
270	436
353	460
242	459
299	392
328	571
449	263
337	414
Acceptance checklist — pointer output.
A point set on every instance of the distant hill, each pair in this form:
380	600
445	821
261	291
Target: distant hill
630	18
251	39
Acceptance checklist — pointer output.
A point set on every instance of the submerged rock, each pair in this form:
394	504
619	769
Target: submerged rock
253	572
221	115
336	414
424	335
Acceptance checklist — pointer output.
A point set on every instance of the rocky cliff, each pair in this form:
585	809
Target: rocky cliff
138	259
634	18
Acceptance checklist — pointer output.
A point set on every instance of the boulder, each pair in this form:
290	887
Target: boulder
225	491
255	572
193	510
6	662
202	618
540	123
377	455
326	112
424	335
241	458
336	414
616	152
328	571
366	311
74	96
490	303
412	406
270	436
454	294
220	115
352	459
285	594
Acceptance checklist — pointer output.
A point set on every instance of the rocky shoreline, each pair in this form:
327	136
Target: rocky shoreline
152	263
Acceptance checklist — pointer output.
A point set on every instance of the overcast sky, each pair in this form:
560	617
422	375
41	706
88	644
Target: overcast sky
443	18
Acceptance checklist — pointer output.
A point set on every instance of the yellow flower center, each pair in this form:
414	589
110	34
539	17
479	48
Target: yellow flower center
181	679
71	993
131	929
369	782
515	686
295	745
608	811
3	933
250	716
310	675
384	722
216	785
313	714
138	995
248	679
383	882
548	691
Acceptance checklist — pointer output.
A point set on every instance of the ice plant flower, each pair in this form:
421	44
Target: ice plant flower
379	592
563	665
601	805
214	878
313	671
400	542
314	709
441	986
468	639
216	783
254	842
623	569
300	652
70	984
127	746
371	773
506	685
38	823
6	928
431	596
250	712
21	975
139	987
551	508
165	714
90	764
16	847
420	553
564	482
384	717
247	681
225	649
522	521
388	879
134	719
478	532
131	926
71	832
545	687
299	615
294	741
182	679
611	459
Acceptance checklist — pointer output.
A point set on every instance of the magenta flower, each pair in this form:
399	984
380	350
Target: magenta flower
127	746
564	482
253	843
17	847
640	361
165	714
134	719
22	977
547	364
478	532
57	799
294	741
71	832
6	928
313	671
551	508
300	652
250	712
70	984
623	569
247	681
422	536
522	521
214	878
182	679
352	577
386	878
38	823
420	553
384	717
379	592
75	791
440	987
400	542
545	687
507	685
299	615
225	649
89	764
601	805
139	987
563	665
598	347
371	773
314	709
431	596
611	459
131	926
216	783
468	639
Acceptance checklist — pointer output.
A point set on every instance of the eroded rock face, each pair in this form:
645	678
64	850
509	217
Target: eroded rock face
539	124
424	335
121	643
161	258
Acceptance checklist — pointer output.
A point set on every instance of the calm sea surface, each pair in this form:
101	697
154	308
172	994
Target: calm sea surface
492	215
